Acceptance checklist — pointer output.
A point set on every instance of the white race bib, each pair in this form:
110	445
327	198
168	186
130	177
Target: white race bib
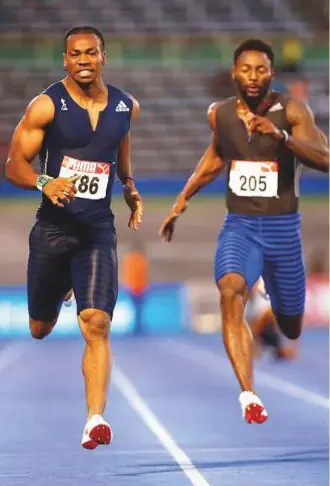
254	179
94	176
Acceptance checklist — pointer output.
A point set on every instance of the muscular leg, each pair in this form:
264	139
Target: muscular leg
48	278
266	334
237	336
238	264
94	269
290	326
285	278
97	360
41	328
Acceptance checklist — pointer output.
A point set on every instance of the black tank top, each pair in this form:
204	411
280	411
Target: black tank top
262	174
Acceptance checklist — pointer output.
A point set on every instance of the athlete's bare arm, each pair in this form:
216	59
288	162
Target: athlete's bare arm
25	146
124	172
307	140
27	142
210	165
323	137
207	169
124	168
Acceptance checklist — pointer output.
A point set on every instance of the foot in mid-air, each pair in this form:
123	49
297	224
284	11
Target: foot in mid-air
253	409
96	432
285	353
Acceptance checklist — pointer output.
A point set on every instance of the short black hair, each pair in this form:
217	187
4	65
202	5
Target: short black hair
255	45
84	29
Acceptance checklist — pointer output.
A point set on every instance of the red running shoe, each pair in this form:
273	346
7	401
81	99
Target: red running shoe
97	432
253	409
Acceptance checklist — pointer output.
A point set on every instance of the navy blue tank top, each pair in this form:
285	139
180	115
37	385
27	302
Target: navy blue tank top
71	146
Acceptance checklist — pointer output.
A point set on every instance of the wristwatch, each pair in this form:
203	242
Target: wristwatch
42	181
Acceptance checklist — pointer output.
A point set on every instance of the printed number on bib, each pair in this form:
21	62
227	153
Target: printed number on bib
254	179
94	177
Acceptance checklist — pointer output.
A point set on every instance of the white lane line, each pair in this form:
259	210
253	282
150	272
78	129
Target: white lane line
288	388
127	389
216	363
8	355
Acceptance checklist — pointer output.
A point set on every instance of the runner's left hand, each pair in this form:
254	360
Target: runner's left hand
135	203
264	126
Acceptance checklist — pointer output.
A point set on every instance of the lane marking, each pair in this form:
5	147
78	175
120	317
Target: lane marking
127	389
215	362
9	354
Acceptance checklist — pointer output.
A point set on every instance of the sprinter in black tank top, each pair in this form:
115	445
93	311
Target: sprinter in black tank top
259	137
80	128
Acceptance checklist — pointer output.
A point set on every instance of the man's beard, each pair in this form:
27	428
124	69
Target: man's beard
254	101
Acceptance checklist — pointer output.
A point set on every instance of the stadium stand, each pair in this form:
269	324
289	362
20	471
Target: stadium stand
174	99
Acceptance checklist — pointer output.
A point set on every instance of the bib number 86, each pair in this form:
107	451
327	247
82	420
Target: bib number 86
88	184
253	183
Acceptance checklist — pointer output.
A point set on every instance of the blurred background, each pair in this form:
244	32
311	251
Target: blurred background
174	56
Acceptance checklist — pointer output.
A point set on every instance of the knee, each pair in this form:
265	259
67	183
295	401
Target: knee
41	329
94	324
291	326
293	334
231	285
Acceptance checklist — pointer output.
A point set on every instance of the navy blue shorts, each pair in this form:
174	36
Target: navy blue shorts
69	254
267	246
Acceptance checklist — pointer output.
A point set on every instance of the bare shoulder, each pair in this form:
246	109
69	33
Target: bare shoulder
212	114
297	111
40	111
136	107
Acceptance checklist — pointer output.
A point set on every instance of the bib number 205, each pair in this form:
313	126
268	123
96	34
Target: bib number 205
253	183
254	178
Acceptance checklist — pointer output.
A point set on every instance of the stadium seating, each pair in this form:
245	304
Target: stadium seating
172	131
162	16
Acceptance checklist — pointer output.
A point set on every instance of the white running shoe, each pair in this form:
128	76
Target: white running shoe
96	432
69	298
253	409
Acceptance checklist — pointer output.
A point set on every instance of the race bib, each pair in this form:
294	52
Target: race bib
94	176
254	179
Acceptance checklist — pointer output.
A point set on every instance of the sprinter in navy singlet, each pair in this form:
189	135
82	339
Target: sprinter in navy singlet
80	127
260	137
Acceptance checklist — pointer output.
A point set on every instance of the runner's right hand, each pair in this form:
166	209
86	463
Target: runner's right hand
167	227
61	190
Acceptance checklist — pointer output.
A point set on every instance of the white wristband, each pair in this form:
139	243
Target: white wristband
285	136
42	181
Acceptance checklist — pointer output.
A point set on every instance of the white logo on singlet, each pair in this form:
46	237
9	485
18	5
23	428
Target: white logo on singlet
121	107
63	107
276	107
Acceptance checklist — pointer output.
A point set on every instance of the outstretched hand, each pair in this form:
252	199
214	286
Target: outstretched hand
135	203
167	227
